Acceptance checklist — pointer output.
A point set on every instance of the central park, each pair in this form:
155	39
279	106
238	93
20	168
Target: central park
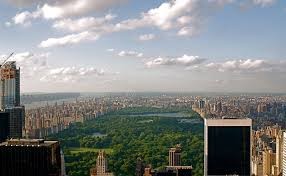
132	133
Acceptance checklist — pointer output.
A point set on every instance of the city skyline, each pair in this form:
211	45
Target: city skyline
179	45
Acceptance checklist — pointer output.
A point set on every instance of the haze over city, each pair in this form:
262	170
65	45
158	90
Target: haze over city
128	45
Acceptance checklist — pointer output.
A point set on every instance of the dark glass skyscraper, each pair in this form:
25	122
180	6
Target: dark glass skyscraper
4	126
30	158
227	147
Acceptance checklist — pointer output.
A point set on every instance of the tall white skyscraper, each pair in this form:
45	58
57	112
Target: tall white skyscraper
101	168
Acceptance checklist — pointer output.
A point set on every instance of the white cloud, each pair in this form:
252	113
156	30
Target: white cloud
146	37
130	54
165	16
30	64
241	66
183	20
56	9
185	61
263	3
110	50
25	18
69	39
86	23
187	31
248	65
71	74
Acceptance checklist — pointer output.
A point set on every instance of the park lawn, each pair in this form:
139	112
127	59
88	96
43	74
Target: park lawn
84	150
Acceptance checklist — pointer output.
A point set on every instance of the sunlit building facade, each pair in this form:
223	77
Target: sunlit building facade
284	155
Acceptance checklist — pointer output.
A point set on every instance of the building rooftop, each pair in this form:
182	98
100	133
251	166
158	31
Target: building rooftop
228	122
28	142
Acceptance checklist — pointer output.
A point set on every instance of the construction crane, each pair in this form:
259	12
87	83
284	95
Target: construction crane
3	63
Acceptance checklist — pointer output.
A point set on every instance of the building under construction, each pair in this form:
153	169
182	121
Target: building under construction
10	98
9	85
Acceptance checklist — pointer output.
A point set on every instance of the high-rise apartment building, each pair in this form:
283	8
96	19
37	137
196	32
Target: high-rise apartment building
10	98
227	146
101	168
175	156
268	161
36	157
279	151
202	104
284	155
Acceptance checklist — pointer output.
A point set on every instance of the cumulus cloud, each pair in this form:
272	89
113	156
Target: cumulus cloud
30	63
75	7
130	54
185	60
146	37
241	66
247	65
187	31
24	18
165	16
263	3
86	23
186	17
71	74
69	39
52	9
59	9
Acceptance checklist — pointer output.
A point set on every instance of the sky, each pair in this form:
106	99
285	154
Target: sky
150	45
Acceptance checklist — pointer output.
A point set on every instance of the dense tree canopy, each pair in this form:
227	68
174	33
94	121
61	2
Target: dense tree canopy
129	137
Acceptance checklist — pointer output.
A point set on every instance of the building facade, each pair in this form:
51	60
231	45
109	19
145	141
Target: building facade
284	155
34	157
16	121
4	126
227	146
10	98
101	168
279	151
9	85
175	156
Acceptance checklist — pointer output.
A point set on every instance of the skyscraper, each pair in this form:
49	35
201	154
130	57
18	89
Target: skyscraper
227	146
4	126
175	156
284	155
140	166
10	98
36	157
279	150
16	121
9	85
101	166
